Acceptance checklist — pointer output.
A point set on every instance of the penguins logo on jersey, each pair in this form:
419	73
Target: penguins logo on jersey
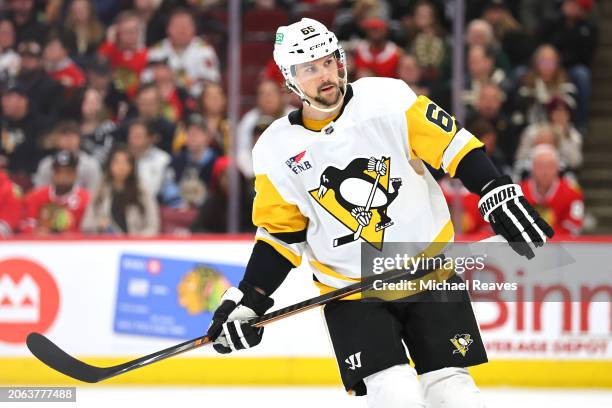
358	196
462	343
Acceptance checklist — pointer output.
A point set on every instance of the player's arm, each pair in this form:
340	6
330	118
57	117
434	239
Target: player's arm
435	137
280	237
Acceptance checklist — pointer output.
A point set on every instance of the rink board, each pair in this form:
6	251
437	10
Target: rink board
82	293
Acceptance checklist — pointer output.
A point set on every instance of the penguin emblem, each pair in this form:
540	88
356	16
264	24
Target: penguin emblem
462	343
358	196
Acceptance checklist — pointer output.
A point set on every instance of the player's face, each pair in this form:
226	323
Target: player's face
320	80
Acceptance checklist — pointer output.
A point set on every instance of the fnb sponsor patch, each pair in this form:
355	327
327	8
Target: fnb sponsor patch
298	164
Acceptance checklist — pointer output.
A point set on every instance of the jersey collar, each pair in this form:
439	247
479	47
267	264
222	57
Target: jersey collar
295	117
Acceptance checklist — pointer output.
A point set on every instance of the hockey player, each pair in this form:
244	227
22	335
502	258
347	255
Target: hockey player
350	162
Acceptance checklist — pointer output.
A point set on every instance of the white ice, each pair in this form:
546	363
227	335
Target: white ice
303	397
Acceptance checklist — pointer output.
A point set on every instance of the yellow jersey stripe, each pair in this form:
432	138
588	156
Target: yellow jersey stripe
292	257
316	125
272	212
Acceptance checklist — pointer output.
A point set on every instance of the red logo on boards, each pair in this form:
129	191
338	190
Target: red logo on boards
154	266
29	299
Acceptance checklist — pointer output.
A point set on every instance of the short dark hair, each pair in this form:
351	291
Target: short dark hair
480	127
181	11
67	126
149	128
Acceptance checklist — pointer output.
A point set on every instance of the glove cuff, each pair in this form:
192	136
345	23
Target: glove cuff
497	193
255	300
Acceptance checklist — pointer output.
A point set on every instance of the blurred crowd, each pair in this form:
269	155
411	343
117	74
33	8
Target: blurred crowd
114	112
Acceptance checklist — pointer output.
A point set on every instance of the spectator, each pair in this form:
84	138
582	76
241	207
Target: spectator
559	132
569	140
148	107
153	17
10	205
214	110
191	169
23	14
108	10
575	36
59	206
125	51
176	100
270	103
22	132
516	44
429	46
88	31
44	93
67	138
481	70
376	55
9	59
97	129
468	215
485	132
533	136
545	80
122	205
61	67
489	103
212	216
193	61
480	32
558	200
409	71
572	33
99	77
150	160
348	21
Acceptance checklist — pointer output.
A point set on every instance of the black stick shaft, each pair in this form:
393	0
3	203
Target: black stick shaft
56	358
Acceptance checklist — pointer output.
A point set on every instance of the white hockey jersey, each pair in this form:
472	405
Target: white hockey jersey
320	194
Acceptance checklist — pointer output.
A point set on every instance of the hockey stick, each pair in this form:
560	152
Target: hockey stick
56	358
355	236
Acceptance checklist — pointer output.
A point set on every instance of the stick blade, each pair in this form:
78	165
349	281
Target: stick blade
56	358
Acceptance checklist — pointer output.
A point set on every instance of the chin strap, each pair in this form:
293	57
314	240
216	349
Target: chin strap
295	88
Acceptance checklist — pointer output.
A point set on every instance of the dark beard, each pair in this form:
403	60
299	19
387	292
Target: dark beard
324	102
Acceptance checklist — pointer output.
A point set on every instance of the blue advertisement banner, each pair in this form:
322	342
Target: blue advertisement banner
173	298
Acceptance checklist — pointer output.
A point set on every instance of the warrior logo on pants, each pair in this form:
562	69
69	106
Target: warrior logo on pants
358	196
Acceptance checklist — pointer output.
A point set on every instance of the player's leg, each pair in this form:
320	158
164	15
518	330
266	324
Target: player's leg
367	342
443	338
451	387
393	387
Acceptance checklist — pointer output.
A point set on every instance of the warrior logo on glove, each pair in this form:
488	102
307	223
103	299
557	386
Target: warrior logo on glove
503	205
358	196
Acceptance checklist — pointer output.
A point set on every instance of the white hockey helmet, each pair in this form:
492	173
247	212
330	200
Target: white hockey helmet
304	41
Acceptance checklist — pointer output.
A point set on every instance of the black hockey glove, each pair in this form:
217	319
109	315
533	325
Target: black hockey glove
511	216
229	329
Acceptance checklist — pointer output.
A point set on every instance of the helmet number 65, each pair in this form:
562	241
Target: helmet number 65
308	30
438	117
